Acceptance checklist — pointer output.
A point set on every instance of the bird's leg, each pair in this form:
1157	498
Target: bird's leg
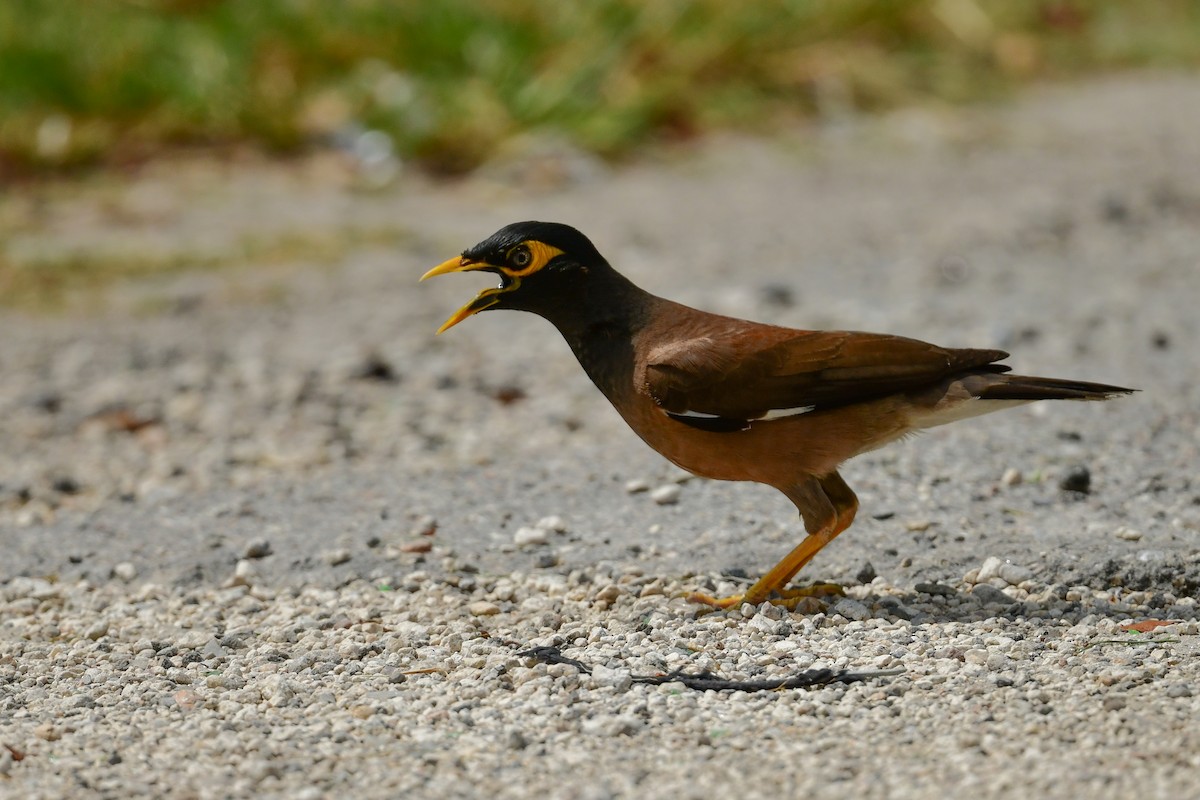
828	507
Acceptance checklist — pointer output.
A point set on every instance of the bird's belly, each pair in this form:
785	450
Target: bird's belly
778	451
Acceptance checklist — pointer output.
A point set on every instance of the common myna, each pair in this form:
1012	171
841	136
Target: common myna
735	400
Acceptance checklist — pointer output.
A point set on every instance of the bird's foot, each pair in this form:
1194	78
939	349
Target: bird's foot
805	599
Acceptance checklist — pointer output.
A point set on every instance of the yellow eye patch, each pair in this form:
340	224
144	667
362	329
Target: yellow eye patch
540	253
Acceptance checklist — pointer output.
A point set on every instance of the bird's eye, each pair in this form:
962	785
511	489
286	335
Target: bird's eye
520	257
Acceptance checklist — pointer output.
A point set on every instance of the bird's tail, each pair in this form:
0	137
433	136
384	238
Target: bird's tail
1024	387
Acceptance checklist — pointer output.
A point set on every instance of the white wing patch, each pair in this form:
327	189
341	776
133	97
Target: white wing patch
784	413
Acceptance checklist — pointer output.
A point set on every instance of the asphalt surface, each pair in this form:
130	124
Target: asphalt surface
304	417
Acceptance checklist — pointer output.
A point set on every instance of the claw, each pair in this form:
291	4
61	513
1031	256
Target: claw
791	599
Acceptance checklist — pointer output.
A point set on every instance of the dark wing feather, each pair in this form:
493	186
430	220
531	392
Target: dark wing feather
749	372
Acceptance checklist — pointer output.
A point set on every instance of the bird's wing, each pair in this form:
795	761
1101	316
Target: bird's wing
747	373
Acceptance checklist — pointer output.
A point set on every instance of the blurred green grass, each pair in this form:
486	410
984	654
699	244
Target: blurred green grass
109	81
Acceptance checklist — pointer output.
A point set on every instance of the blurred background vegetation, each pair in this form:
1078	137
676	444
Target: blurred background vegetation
444	83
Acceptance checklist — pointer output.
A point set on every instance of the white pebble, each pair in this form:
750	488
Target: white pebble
619	679
125	571
553	523
244	574
528	537
976	656
990	569
1128	534
336	557
482	608
666	495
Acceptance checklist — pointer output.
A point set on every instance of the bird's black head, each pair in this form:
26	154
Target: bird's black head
538	263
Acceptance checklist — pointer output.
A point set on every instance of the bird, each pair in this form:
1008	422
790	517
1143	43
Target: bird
735	400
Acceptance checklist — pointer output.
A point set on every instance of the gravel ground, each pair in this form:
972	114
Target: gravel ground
266	536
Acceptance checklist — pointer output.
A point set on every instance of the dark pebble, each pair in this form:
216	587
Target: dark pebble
66	485
778	295
1077	479
866	573
1114	209
990	595
376	368
935	589
49	402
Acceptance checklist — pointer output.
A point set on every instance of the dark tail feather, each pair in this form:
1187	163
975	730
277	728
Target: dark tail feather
1023	387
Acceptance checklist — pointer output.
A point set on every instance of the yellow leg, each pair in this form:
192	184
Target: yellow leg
828	500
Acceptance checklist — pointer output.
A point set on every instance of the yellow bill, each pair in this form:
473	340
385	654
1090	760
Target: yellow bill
485	299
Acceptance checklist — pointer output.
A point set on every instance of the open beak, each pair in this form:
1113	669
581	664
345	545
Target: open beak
485	299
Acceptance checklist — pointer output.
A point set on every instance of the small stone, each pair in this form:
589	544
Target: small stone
417	546
866	573
990	595
125	571
35	588
97	629
939	589
618	679
1014	573
337	557
850	608
362	712
186	699
244	574
1115	702
609	593
530	537
1012	477
990	569
1177	690
976	656
1077	479
66	485
483	608
1128	534
918	525
666	495
636	486
47	732
552	523
213	649
424	526
772	627
258	548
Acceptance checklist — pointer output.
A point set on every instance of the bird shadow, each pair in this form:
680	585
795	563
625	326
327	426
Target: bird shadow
965	607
